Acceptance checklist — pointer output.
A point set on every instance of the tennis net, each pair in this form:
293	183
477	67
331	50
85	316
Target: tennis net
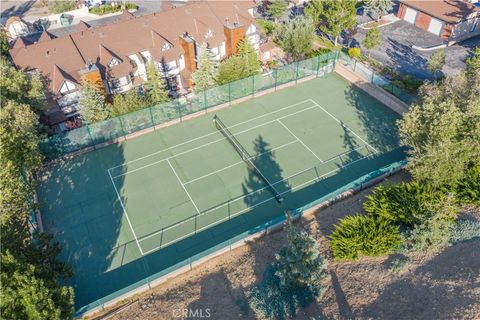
246	157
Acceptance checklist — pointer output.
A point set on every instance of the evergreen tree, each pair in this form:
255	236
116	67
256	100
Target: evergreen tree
332	17
299	264
377	8
92	103
296	37
442	130
473	63
32	277
17	86
128	102
3	43
204	76
156	89
372	39
250	57
277	8
437	60
239	66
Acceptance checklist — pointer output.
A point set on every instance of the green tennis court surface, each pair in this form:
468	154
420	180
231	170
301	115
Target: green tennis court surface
128	211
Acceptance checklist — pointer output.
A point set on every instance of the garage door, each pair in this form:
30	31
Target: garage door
435	26
410	15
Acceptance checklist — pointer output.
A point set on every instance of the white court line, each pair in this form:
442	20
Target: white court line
300	140
343	125
209	143
246	209
188	194
125	212
240	162
212	133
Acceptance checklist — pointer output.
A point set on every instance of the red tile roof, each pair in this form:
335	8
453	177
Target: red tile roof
451	11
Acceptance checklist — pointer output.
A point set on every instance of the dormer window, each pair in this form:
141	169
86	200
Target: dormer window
113	63
166	46
67	86
209	33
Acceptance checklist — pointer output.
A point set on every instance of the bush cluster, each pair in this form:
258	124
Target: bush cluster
464	230
108	8
405	204
364	235
468	189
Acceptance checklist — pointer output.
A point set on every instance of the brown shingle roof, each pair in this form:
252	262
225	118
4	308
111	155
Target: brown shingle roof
451	11
45	36
128	37
58	77
82	26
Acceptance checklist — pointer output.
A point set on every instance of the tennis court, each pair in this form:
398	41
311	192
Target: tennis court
133	209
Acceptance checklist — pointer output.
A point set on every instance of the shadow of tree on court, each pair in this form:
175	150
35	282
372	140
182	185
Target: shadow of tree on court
264	161
377	122
80	208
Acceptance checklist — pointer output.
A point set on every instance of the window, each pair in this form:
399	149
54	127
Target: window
113	62
166	46
474	25
67	86
209	33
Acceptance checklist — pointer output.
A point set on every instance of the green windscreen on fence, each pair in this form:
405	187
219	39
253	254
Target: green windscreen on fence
101	132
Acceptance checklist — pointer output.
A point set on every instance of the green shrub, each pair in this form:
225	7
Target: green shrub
398	265
267	26
464	230
354	52
433	233
408	203
468	190
408	83
270	300
59	6
364	235
108	8
299	263
318	52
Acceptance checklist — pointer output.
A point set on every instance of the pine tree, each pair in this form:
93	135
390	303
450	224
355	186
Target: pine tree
332	17
156	88
296	37
378	8
250	57
277	8
92	103
372	39
204	76
299	264
437	60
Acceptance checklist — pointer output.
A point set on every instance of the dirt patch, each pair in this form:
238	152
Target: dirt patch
445	285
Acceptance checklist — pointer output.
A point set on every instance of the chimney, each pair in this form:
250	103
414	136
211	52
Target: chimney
234	33
188	46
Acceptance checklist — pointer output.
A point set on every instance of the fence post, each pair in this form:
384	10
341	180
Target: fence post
373	77
275	72
318	64
229	94
123	128
151	117
90	136
354	64
253	85
205	99
177	106
296	72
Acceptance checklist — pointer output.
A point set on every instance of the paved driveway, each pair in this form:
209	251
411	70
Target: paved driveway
396	49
